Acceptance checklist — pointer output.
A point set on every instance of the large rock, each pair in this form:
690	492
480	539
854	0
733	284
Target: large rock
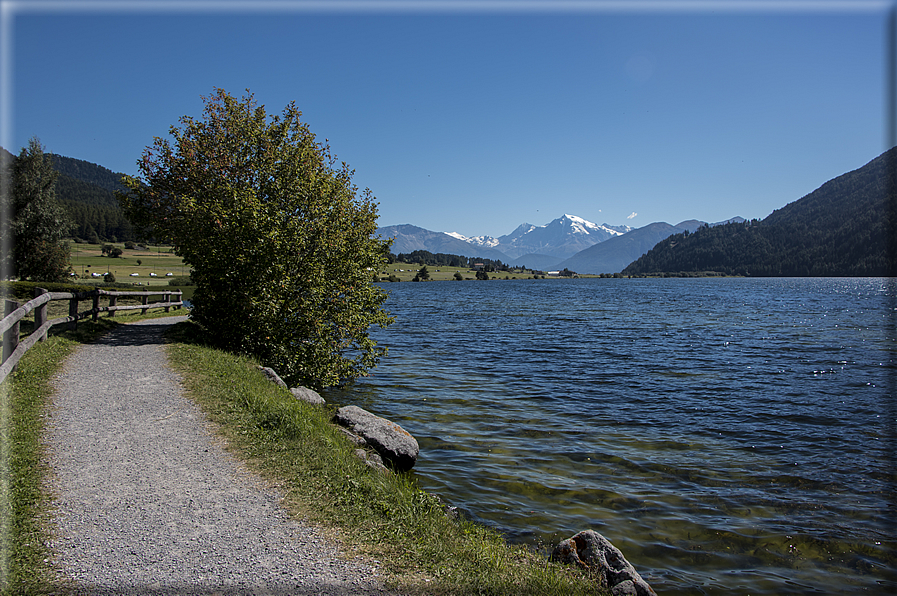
391	441
591	550
307	395
273	376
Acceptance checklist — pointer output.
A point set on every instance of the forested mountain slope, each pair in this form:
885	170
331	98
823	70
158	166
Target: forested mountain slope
843	228
86	191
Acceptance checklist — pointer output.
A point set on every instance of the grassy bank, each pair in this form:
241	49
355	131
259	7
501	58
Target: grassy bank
387	517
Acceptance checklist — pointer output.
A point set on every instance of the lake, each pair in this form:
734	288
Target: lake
730	436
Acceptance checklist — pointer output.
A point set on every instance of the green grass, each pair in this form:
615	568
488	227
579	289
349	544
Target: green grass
386	516
88	258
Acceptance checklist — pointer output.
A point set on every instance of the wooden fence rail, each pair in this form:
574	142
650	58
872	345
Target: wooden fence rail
13	313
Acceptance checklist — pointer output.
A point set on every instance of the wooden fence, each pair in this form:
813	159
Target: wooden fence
14	312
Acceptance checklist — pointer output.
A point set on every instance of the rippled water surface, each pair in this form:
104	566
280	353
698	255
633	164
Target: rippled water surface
730	436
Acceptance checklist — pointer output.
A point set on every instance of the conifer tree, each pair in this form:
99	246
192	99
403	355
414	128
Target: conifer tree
39	223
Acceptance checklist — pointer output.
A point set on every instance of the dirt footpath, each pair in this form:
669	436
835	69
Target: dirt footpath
148	503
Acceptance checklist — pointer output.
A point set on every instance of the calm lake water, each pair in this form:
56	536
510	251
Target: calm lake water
730	436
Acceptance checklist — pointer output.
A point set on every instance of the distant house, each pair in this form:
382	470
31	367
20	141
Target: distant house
478	266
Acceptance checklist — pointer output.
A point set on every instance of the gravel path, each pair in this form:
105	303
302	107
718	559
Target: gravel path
148	503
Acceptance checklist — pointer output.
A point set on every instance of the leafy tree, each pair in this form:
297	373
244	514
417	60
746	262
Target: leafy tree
481	274
280	244
458	276
38	221
422	274
111	251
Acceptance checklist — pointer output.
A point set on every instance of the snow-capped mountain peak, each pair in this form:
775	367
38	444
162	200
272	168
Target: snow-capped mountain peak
562	237
579	225
487	241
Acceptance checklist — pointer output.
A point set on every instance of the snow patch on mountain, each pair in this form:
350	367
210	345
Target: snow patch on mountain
487	241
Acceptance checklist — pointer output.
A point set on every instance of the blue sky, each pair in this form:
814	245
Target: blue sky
475	117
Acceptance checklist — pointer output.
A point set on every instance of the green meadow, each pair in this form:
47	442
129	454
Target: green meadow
143	266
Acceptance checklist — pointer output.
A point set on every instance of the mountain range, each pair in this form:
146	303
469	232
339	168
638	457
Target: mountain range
845	227
567	242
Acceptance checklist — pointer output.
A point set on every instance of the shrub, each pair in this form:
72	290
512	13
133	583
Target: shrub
280	246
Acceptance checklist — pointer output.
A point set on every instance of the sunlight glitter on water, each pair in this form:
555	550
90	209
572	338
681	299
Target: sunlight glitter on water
686	420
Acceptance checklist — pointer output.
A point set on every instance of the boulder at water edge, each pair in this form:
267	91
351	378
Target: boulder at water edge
307	395
273	376
391	441
591	550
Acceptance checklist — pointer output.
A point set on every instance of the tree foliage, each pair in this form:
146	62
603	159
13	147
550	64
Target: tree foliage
278	238
425	257
38	222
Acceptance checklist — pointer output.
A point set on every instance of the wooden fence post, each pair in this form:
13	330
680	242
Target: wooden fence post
144	300
113	301
96	305
40	313
73	312
11	337
168	299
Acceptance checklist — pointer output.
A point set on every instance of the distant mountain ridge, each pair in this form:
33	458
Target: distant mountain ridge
616	253
409	238
548	244
568	241
562	237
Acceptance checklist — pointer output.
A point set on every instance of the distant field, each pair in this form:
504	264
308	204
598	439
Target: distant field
407	271
88	259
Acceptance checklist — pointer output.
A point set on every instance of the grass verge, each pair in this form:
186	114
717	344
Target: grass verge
386	516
